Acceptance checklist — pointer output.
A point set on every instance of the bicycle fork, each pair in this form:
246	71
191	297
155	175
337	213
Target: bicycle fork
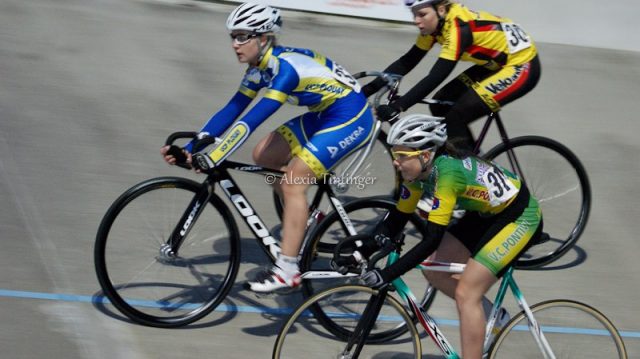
169	250
362	330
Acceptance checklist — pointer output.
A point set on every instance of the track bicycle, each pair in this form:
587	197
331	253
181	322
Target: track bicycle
551	329
167	251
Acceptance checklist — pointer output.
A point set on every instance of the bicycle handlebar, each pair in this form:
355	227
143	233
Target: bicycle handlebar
177	135
392	85
199	142
390	78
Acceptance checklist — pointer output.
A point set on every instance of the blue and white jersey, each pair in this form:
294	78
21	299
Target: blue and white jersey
300	77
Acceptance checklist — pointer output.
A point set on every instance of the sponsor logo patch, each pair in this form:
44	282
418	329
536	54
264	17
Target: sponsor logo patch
349	140
482	168
404	192
324	87
467	164
332	150
436	203
502	84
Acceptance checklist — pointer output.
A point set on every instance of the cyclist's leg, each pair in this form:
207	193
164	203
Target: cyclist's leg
455	88
475	281
507	238
508	84
298	176
457	245
511	234
469	107
487	91
276	151
320	140
454	92
273	152
285	272
316	142
450	250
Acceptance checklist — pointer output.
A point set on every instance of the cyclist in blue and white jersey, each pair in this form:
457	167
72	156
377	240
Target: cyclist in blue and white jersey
339	122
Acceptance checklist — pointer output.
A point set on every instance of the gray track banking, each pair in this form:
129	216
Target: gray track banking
89	91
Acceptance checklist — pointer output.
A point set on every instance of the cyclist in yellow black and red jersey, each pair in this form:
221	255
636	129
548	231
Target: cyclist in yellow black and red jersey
505	59
502	220
306	147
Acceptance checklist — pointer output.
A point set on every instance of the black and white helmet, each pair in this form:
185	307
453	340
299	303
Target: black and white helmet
255	18
418	131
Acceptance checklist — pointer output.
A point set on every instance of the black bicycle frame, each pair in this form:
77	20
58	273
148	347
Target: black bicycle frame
513	161
223	178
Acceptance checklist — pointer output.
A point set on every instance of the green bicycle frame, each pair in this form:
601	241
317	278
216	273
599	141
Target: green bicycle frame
430	325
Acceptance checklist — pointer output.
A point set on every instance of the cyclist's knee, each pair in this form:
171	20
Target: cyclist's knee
465	295
298	177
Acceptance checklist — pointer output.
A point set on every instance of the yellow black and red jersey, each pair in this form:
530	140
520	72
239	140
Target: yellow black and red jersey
481	38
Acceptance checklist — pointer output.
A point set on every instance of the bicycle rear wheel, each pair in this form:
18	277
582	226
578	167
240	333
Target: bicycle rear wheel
303	336
374	176
555	176
365	214
151	288
572	329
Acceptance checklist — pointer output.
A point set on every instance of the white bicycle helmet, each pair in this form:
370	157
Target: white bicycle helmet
418	131
255	18
420	3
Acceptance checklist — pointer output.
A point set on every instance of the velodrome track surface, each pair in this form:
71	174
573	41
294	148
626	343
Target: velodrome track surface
90	89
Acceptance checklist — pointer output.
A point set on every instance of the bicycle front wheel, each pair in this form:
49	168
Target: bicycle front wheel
559	182
365	214
144	283
303	336
570	329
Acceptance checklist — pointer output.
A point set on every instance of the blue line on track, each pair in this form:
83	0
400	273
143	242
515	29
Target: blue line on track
265	310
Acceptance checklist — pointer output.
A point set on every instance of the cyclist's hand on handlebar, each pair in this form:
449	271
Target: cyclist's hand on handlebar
388	112
173	155
201	162
372	278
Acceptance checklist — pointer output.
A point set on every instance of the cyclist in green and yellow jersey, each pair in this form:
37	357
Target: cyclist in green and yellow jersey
502	220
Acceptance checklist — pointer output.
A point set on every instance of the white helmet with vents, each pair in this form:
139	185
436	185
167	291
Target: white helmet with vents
420	3
255	18
418	131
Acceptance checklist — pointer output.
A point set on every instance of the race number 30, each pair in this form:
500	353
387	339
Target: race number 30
517	39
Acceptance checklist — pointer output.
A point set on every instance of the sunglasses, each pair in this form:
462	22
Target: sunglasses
242	38
400	155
